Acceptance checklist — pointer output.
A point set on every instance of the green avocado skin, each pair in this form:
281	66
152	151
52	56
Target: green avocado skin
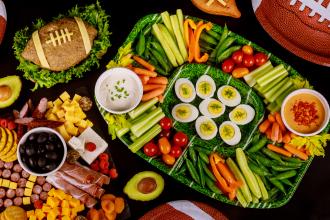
131	188
15	84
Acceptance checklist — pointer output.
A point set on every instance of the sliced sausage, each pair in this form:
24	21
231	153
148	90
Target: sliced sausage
34	197
46	187
17	168
19	192
18	201
9	165
8	202
0	172
10	193
15	177
43	196
1	202
2	193
41	180
21	182
2	164
37	189
6	173
25	174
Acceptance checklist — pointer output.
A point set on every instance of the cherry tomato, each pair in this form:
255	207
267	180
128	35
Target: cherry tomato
104	165
228	65
248	60
113	173
165	123
90	146
237	56
247	49
104	156
165	133
168	159
260	59
95	165
180	139
104	171
176	151
150	149
164	145
38	204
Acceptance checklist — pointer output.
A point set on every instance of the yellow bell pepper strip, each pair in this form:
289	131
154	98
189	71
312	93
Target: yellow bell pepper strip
188	23
191	45
198	32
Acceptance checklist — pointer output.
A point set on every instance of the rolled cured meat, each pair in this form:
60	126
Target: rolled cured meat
92	189
58	182
84	174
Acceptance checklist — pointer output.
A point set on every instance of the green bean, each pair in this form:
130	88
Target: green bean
282	168
159	48
286	182
291	159
222	39
204	150
208	172
161	60
285	175
266	182
208	39
201	172
205	45
204	157
278	184
211	185
271	154
260	144
226	44
273	192
214	34
192	171
140	46
290	164
264	161
227	53
257	170
192	155
182	169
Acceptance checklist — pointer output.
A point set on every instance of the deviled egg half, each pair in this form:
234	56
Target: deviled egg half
212	108
185	90
230	133
184	112
206	128
205	87
242	114
229	96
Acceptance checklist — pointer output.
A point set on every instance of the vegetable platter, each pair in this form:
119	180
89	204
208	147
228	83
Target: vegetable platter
215	124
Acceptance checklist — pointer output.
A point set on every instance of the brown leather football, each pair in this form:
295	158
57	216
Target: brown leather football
60	44
301	26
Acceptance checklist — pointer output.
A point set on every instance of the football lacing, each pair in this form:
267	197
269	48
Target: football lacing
64	35
316	7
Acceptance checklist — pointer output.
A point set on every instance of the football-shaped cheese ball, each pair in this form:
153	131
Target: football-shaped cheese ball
60	44
301	26
183	210
3	20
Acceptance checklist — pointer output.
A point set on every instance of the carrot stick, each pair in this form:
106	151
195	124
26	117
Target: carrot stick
198	32
280	137
159	80
269	132
227	174
149	87
264	126
292	135
144	79
275	131
191	46
218	176
271	118
161	98
279	150
145	72
296	152
279	121
152	94
286	138
144	63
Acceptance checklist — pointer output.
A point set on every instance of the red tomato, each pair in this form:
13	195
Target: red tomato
38	204
104	156
165	123
228	65
11	125
165	133
176	151
150	149
260	59
90	146
104	165
237	56
95	165
113	173
248	60
104	171
164	145
247	49
168	159
180	139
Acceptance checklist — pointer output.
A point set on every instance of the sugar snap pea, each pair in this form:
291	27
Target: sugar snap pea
290	164
160	59
141	44
192	155
182	169
208	39
266	182
214	34
256	169
286	182
204	157
204	150
264	161
260	144
285	175
273	192
278	184
226	44
227	53
159	48
208	172
211	185
192	171
271	154
282	168
201	172
291	159
224	35
205	45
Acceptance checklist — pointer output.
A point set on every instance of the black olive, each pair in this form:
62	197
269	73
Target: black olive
42	162
23	158
22	149
52	137
51	155
50	147
59	145
51	166
30	150
32	162
42	138
32	137
41	149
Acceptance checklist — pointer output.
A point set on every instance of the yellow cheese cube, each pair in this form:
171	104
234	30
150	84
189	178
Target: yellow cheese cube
80	114
39	214
82	124
60	194
13	185
53	214
46	208
66	211
65	204
57	102
50	104
52	117
76	97
29	213
79	208
27	192
26	201
51	217
1	182
75	103
48	112
81	130
73	215
60	114
32	217
71	116
68	107
5	183
53	202
65	96
74	202
89	123
51	192
63	132
56	108
68	197
70	128
32	178
64	217
29	184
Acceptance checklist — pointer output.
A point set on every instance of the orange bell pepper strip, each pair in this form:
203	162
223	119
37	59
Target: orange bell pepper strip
198	32
188	23
191	46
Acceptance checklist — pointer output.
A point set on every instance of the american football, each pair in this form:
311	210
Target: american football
3	20
60	44
301	26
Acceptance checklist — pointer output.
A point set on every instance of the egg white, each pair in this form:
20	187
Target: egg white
208	79
198	123
203	108
232	102
178	83
193	116
237	136
250	113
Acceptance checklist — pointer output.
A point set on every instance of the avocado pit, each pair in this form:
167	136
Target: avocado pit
147	185
5	93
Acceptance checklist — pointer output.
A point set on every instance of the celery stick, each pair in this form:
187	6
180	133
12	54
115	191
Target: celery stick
272	84
270	93
272	75
148	136
281	90
122	132
273	107
180	20
179	36
142	108
167	21
133	137
161	39
150	123
171	43
145	120
241	198
281	98
251	78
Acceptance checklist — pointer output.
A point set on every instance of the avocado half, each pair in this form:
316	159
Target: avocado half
10	88
144	186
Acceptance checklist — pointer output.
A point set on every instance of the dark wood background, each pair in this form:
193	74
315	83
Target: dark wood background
311	200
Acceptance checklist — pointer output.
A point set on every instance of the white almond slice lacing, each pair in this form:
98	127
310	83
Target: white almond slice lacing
84	34
40	51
